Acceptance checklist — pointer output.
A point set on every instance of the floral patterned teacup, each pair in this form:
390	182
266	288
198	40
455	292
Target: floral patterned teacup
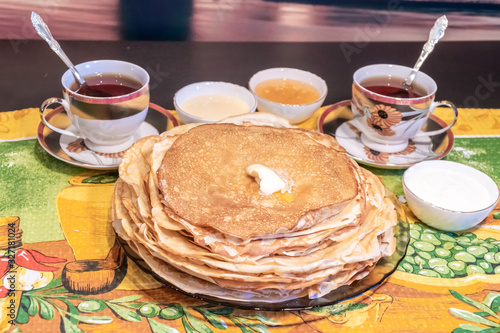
387	123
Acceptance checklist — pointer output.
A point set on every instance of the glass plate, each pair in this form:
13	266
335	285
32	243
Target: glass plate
385	267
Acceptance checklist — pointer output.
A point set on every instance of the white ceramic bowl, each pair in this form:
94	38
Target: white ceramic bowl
294	113
448	195
210	88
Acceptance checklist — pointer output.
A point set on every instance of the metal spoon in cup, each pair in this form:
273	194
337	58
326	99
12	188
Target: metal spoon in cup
436	33
43	30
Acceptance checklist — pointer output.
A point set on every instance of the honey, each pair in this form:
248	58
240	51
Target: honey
287	91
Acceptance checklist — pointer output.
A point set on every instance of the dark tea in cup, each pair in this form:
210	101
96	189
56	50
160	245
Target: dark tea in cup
107	85
393	87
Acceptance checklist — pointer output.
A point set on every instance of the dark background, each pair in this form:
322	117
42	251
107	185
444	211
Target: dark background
459	68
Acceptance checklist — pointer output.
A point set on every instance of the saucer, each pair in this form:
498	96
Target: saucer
337	121
73	151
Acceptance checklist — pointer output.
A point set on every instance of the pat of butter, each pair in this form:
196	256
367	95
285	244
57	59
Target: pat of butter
267	179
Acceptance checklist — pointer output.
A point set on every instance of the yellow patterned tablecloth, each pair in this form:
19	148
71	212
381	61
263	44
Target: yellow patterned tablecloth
64	214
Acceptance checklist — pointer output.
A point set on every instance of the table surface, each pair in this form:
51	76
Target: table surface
31	71
63	214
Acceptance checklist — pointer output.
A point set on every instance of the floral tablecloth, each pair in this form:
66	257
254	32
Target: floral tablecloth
447	281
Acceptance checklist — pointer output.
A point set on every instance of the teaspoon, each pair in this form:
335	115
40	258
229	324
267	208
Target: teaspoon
43	30
436	33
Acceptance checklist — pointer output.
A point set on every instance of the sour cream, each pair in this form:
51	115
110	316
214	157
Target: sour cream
215	107
448	189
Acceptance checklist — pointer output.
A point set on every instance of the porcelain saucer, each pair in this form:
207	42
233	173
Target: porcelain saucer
337	121
73	151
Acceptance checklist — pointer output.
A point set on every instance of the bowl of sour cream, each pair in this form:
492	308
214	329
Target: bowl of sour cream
449	196
209	101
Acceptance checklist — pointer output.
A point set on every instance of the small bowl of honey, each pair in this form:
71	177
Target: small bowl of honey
288	92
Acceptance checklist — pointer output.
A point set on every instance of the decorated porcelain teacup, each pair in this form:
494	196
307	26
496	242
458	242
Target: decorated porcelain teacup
109	109
387	113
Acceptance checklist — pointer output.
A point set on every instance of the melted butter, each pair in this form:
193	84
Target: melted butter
287	91
214	107
284	196
448	189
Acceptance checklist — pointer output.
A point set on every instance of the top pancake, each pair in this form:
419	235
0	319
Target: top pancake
203	179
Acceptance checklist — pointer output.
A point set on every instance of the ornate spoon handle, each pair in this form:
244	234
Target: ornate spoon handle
43	30
437	32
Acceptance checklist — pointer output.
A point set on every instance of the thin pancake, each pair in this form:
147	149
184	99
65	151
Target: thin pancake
327	248
321	179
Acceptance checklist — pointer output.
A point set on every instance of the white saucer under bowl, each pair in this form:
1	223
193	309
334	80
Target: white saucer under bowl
336	121
74	151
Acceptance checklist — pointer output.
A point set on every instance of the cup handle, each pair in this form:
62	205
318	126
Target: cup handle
434	105
44	106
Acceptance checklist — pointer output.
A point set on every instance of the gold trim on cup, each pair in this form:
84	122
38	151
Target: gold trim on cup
392	100
106	100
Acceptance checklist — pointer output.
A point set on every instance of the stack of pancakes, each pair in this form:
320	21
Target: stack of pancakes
185	203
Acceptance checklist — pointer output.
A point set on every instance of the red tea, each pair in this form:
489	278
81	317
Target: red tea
393	87
107	85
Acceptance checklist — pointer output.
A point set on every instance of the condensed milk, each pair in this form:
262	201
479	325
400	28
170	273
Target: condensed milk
215	106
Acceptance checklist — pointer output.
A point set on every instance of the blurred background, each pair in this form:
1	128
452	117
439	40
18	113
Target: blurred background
251	20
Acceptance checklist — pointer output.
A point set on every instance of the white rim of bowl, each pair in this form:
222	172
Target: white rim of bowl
447	209
177	106
322	96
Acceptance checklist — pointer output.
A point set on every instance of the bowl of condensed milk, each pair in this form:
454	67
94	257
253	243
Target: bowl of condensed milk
292	93
210	101
449	196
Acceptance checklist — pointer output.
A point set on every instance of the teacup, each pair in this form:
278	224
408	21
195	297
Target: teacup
106	122
388	115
